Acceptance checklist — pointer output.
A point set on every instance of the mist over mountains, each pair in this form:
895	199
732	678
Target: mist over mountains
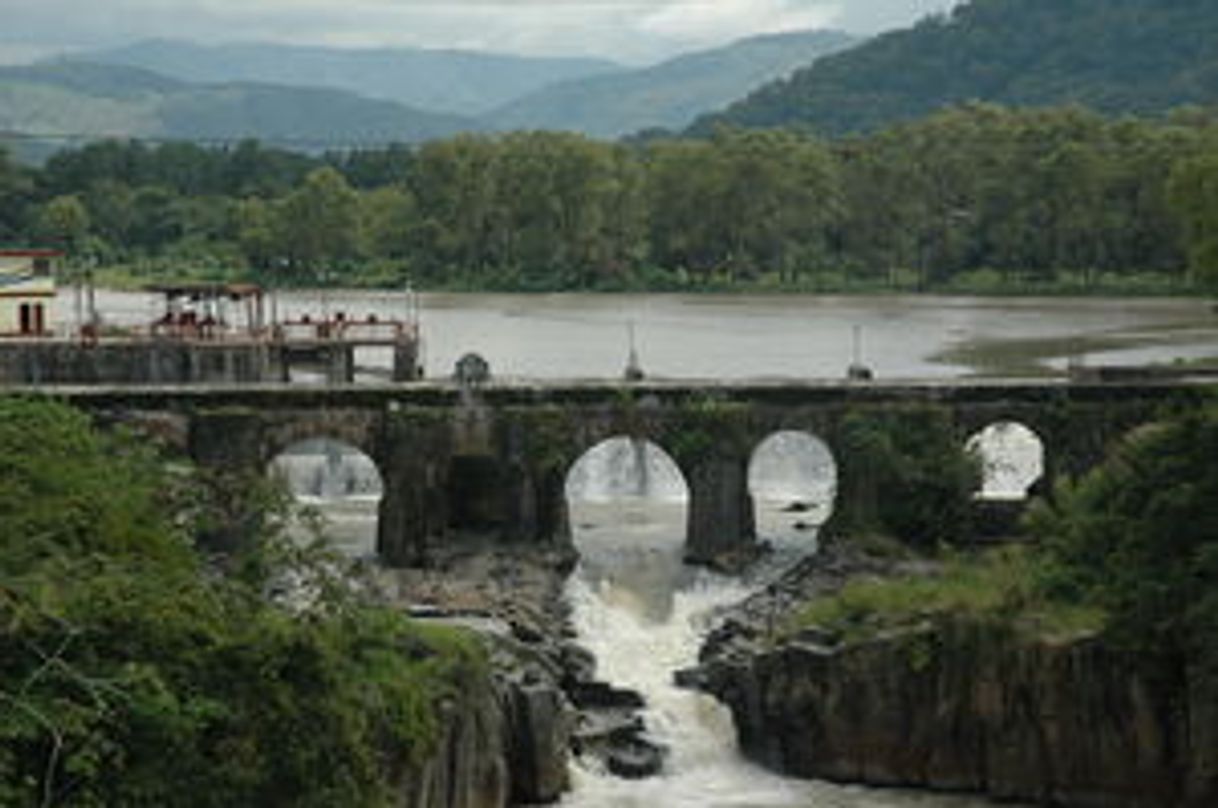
308	97
449	81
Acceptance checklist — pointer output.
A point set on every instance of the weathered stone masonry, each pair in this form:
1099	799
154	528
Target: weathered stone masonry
494	460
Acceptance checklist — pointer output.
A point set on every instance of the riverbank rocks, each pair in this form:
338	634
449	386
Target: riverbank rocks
520	714
962	706
610	729
544	701
470	766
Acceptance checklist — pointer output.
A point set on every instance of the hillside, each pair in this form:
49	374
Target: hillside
72	98
670	94
1117	56
458	82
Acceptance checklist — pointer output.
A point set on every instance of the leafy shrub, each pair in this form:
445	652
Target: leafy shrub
917	470
1138	536
132	674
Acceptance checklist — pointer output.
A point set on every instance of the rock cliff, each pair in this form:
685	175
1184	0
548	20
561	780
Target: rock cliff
974	707
504	742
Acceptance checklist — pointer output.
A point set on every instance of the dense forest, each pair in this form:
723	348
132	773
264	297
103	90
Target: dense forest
1115	56
974	197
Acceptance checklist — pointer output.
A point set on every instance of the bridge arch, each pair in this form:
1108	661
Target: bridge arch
338	480
628	502
358	429
626	468
1012	458
792	479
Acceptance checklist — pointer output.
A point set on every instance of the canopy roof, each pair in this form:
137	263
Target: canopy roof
203	289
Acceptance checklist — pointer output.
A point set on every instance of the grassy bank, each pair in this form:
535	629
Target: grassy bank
1000	586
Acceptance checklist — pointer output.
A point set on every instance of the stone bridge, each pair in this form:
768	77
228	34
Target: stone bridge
494	459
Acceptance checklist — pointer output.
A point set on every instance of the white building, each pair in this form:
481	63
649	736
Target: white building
27	292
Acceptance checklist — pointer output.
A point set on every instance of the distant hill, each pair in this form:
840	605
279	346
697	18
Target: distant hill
1116	56
668	95
459	82
72	98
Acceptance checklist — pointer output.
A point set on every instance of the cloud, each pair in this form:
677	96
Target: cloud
705	20
635	30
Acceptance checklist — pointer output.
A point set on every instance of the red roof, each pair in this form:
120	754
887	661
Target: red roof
30	253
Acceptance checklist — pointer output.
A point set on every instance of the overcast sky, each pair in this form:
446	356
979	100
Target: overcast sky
627	30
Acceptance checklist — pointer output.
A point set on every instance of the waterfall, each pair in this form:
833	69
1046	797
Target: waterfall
643	613
341	483
626	469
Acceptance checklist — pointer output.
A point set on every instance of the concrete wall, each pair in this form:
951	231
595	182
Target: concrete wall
163	362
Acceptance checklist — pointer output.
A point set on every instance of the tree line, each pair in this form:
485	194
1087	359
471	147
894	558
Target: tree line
975	194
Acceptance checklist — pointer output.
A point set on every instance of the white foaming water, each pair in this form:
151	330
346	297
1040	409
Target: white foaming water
644	615
1012	458
632	650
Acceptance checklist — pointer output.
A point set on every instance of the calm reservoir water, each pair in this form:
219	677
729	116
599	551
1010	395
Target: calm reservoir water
707	336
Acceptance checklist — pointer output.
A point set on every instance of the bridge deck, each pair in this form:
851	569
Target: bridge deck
506	392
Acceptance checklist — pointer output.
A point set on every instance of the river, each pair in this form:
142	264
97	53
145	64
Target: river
634	604
722	336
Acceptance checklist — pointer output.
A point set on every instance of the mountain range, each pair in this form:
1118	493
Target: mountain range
467	83
1116	56
310	97
669	95
70	99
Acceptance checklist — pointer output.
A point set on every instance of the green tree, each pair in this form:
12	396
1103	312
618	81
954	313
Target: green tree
1137	537
389	222
682	194
64	221
556	215
1193	191
453	182
255	232
16	193
913	477
317	225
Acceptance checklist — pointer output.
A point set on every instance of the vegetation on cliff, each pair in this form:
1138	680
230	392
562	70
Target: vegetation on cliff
999	587
1130	550
917	482
1138	537
135	671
